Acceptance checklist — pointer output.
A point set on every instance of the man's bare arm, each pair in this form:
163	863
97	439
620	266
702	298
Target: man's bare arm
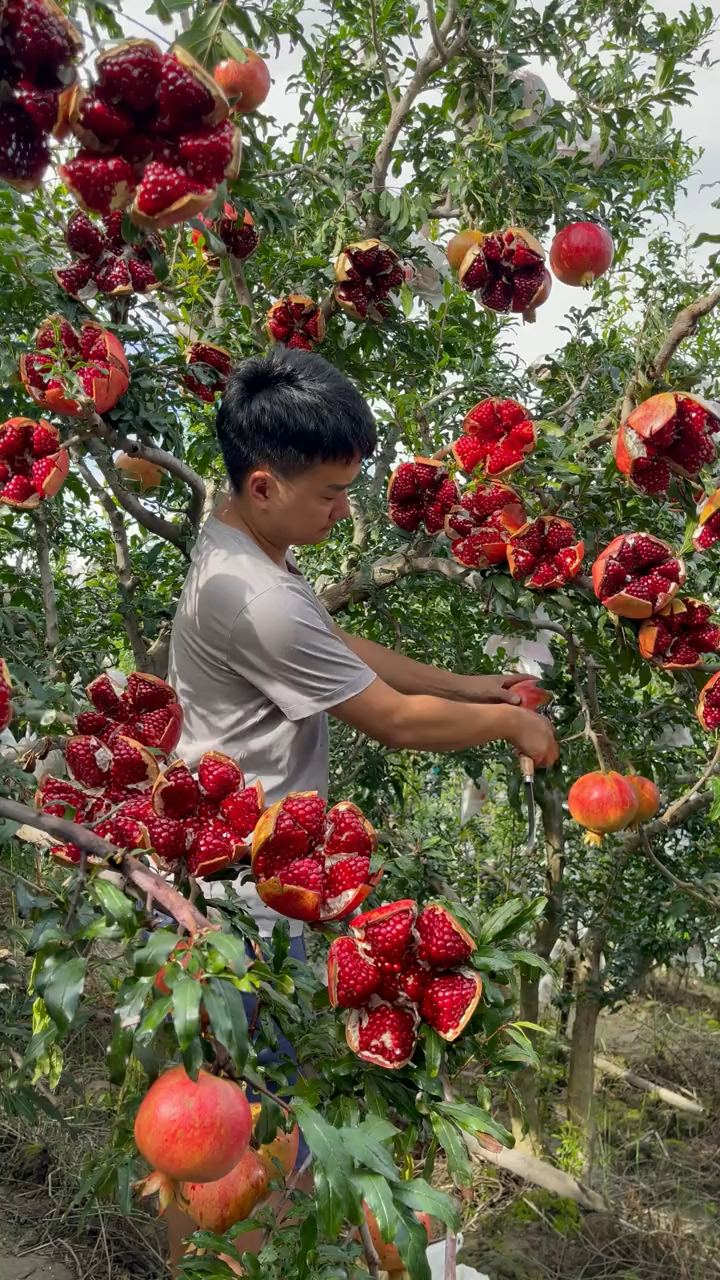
426	723
408	676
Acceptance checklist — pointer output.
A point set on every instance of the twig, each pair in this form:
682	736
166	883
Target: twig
684	325
370	1251
450	1269
42	543
432	21
685	886
77	889
148	519
584	705
377	46
711	768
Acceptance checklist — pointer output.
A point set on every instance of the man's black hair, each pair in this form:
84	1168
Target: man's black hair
288	410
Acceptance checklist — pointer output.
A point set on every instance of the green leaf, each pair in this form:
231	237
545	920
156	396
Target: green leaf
406	300
270	1119
510	918
186	998
419	1195
152	956
62	989
226	1011
115	904
376	1191
475	1120
368	1152
434	1049
458	1161
411	1242
337	1195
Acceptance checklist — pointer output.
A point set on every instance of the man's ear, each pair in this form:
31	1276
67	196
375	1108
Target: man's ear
261	486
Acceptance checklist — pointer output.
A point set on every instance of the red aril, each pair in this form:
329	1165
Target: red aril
669	433
677	636
545	553
193	1130
636	575
421	492
442	941
506	270
581	252
499	435
352	976
384	1035
296	321
365	274
603	803
707	532
450	1000
708	708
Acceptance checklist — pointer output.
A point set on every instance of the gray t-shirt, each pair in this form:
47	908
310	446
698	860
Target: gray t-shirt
256	665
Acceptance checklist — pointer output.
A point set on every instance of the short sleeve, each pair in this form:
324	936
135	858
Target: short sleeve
282	644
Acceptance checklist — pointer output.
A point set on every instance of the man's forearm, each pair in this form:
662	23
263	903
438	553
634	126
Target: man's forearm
405	674
434	724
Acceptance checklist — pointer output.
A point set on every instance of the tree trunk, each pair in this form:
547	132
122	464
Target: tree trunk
525	1098
581	1069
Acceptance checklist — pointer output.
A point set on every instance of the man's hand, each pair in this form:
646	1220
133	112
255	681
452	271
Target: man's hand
497	688
534	736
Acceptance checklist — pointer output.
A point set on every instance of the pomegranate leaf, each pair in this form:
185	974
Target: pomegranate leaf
378	1196
418	1194
226	1011
475	1120
510	918
61	983
186	997
336	1191
451	1141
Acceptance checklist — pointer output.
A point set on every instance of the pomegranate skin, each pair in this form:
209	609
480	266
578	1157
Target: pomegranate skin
603	803
581	253
245	84
217	1205
388	1256
193	1130
648	794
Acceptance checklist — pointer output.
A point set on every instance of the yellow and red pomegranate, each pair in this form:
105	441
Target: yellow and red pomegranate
708	708
545	553
421	492
603	803
480	527
296	322
669	433
245	84
311	862
648	794
94	356
678	635
33	466
506	270
192	1130
366	274
498	436
637	575
707	532
581	253
388	1257
396	968
138	472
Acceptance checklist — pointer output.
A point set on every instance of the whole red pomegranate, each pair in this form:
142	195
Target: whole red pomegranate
388	1256
245	84
193	1130
604	803
581	253
648	794
531	695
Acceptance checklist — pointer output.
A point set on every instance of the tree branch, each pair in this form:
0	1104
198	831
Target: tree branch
127	581
684	325
685	886
161	458
377	46
42	544
360	584
148	519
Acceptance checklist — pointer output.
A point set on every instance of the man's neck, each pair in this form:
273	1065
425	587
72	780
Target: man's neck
232	511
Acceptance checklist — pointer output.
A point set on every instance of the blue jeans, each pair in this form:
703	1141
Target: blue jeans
284	1047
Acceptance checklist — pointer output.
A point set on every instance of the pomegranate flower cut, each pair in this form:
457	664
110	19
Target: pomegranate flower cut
506	269
708	709
679	634
32	464
545	553
481	526
421	492
296	321
147	710
214	364
310	864
707	532
94	356
207	819
637	575
670	432
365	274
498	437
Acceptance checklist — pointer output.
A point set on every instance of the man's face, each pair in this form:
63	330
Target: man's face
303	510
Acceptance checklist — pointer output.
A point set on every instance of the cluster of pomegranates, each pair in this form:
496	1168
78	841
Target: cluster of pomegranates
606	802
33	465
105	263
208	370
396	967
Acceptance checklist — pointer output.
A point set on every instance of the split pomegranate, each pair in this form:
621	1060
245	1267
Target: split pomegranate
648	794
545	553
32	464
670	432
106	264
506	269
147	710
679	634
6	708
603	803
40	48
707	532
421	492
193	1130
708	708
459	244
498	436
138	472
395	967
99	184
211	367
245	84
365	274
480	527
94	356
296	321
310	864
388	1257
581	253
207	820
122	762
238	234
637	575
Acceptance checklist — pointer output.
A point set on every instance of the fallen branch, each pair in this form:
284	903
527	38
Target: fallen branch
673	1099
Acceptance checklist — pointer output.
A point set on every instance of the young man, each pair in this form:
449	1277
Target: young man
257	662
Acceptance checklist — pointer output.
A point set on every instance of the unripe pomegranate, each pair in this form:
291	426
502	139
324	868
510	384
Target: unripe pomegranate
245	84
648	794
146	475
459	245
388	1256
581	253
193	1130
604	803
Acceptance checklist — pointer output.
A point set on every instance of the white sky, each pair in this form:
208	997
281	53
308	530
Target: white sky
698	123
